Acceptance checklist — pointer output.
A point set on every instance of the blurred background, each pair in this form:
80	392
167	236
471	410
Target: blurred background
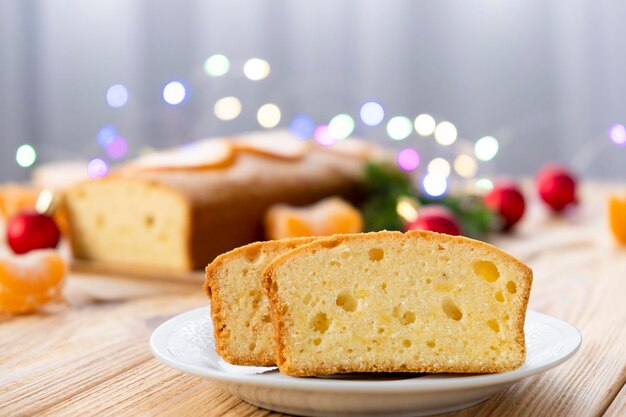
107	79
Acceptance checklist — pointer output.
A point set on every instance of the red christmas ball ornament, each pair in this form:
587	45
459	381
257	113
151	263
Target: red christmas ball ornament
557	187
30	230
438	219
507	200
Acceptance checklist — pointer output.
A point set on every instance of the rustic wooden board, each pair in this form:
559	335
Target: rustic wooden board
91	357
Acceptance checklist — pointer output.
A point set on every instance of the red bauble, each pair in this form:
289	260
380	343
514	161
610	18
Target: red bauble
557	187
436	219
30	230
507	200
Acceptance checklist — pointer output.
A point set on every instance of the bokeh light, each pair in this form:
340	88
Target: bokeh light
372	113
227	108
424	124
117	95
174	93
302	126
216	65
399	127
97	168
434	184
465	166
408	159
256	69
105	135
268	115
617	133
445	133
486	148
341	126
484	184
407	209
439	166
322	136
118	148
25	156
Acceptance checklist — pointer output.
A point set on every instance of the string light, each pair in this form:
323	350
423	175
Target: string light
484	184
216	65
256	69
25	156
97	168
227	108
322	136
465	166
118	148
117	95
302	126
424	125
341	126
105	135
372	113
486	148
617	133
268	115
434	184
408	159
445	133
399	127
439	166
174	93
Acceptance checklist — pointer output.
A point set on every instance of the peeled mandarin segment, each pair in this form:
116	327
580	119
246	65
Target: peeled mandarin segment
296	227
344	218
617	218
327	217
31	280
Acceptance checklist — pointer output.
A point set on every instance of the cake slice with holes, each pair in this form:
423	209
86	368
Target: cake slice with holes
394	302
241	320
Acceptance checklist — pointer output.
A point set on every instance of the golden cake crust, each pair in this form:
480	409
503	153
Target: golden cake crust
213	290
278	309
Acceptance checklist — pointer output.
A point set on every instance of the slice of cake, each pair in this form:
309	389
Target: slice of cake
393	302
241	319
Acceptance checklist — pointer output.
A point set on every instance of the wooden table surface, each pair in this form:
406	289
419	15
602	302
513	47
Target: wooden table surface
91	357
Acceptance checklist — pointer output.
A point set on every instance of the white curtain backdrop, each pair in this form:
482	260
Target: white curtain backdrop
547	78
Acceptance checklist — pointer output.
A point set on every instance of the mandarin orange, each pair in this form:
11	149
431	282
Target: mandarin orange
617	218
324	218
30	281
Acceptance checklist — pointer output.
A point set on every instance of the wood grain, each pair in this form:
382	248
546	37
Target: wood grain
90	357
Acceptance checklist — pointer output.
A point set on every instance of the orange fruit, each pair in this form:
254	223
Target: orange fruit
31	280
324	218
617	218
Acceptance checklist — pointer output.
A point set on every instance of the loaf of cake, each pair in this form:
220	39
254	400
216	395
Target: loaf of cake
244	334
394	302
178	209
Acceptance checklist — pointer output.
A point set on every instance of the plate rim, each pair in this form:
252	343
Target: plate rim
412	385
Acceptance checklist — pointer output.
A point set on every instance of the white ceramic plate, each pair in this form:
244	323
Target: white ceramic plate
185	342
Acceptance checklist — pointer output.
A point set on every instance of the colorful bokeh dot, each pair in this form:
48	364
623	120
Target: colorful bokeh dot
25	156
302	126
97	168
372	113
323	137
617	134
399	127
408	159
